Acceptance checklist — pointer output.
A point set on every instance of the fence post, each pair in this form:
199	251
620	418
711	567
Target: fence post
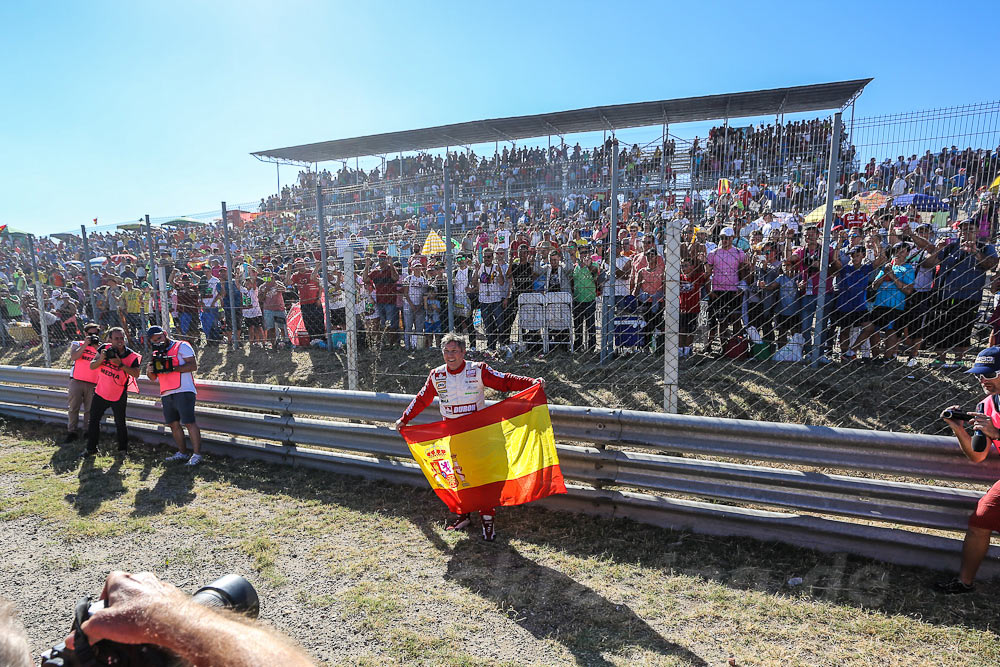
671	313
40	301
152	262
607	322
350	314
161	276
90	277
229	270
448	257
833	176
324	271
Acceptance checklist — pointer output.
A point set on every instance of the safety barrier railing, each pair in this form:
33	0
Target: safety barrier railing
621	463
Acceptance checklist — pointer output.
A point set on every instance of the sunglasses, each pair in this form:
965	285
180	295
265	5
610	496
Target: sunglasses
989	375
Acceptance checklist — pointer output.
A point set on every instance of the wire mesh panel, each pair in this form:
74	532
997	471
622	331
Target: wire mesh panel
872	328
687	271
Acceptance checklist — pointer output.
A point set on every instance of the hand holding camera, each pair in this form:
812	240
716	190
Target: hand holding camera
983	428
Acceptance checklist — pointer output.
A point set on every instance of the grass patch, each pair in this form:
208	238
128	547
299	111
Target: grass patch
362	572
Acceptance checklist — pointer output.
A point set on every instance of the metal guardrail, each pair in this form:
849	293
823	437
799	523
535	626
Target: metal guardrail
645	481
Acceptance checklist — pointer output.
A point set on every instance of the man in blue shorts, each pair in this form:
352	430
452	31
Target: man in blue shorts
173	365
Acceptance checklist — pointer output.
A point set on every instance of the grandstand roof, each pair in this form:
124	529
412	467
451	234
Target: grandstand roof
615	117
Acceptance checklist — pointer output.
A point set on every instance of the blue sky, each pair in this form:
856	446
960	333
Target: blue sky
116	109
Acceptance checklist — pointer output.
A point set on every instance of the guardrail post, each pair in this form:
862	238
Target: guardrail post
40	301
90	277
833	176
327	334
350	314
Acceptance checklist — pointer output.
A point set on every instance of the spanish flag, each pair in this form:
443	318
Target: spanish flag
724	186
504	454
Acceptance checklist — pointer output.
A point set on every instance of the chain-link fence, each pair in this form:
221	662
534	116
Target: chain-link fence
696	274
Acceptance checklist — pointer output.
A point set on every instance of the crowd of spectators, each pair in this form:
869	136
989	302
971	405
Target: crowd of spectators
537	221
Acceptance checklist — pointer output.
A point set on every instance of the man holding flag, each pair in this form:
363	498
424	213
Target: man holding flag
479	457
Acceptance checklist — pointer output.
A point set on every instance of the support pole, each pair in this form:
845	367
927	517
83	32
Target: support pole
40	301
607	322
350	314
229	270
833	176
663	161
324	271
90	276
449	259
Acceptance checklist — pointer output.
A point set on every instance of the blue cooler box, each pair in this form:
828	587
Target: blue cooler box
628	331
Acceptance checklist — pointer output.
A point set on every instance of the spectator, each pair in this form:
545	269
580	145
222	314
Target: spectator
587	281
723	269
384	281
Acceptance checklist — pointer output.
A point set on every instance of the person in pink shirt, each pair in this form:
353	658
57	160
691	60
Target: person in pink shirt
723	267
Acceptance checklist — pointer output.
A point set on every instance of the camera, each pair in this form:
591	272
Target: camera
160	362
93	339
111	352
229	592
956	414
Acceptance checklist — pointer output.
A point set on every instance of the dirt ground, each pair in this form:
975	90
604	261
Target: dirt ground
363	573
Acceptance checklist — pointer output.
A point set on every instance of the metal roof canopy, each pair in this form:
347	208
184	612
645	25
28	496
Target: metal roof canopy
616	117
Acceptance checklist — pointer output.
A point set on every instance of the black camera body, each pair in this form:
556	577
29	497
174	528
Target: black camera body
956	414
111	352
229	592
93	339
161	363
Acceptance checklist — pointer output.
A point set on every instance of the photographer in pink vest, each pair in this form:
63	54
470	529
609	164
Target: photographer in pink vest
172	365
117	368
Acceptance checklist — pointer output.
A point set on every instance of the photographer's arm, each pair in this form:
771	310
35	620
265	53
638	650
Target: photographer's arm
187	365
98	359
144	610
77	352
965	440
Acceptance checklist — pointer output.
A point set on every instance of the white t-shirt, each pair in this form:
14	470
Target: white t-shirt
415	286
184	353
253	310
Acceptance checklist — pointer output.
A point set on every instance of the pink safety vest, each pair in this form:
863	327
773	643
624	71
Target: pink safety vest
112	381
81	367
991	408
172	380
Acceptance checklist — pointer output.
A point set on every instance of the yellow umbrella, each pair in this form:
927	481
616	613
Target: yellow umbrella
433	245
818	214
995	185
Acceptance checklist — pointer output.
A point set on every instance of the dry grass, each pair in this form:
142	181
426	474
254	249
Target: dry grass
362	573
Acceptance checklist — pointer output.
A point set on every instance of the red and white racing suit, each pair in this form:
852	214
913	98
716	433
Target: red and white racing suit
462	392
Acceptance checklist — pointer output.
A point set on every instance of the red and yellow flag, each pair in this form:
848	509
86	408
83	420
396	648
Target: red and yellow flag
502	455
724	186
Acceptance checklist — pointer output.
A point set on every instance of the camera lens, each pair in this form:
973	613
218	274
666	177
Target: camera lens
230	592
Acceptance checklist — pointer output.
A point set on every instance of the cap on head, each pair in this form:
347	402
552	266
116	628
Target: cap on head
987	361
154	330
728	231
